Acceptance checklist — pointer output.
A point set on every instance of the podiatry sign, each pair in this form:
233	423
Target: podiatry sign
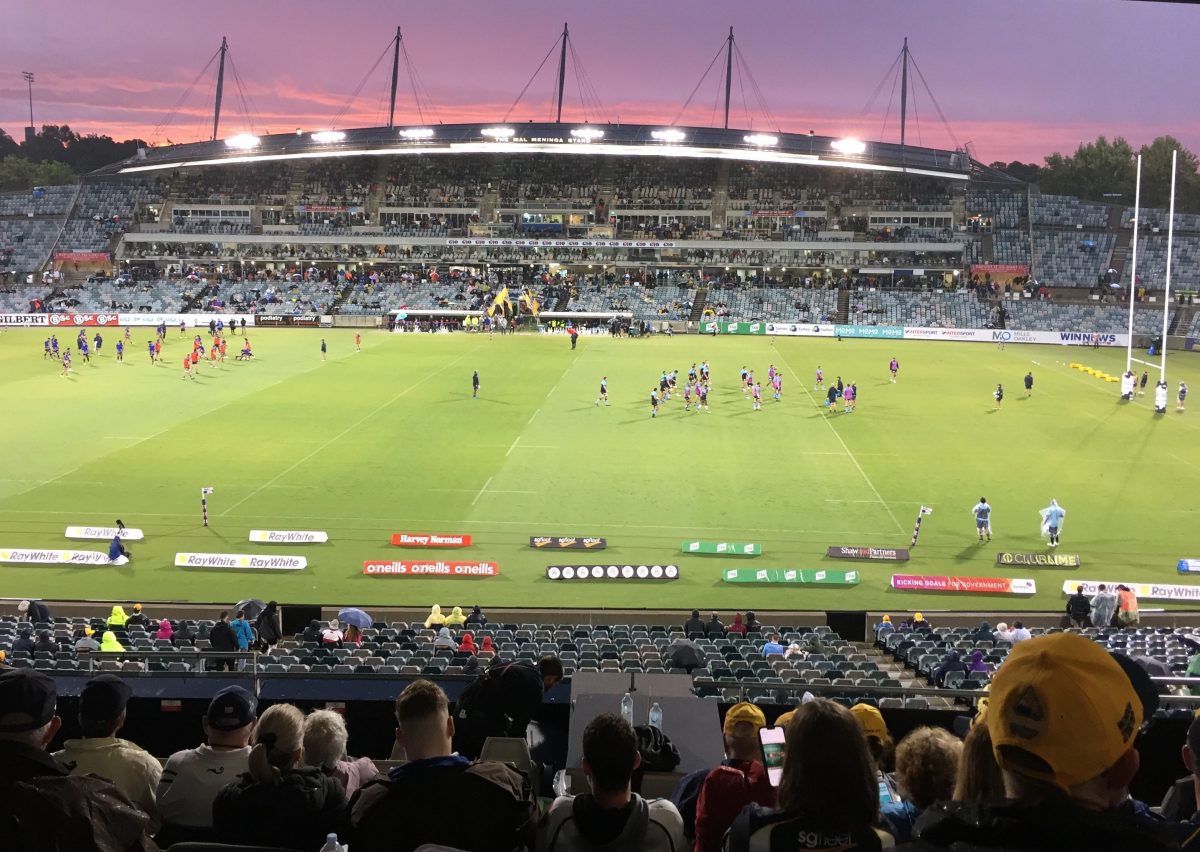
289	536
790	576
1039	560
886	554
964	585
105	533
240	561
1143	591
55	557
435	568
725	548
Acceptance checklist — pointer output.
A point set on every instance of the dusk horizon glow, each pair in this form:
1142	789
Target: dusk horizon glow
1017	83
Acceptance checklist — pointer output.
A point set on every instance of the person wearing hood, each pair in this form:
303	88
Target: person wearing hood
23	642
45	642
456	617
118	618
109	643
444	639
978	666
952	662
116	550
611	816
477	617
714	627
267	626
242	631
738	627
312	633
694	624
165	630
983	633
435	617
487	646
467	645
278	802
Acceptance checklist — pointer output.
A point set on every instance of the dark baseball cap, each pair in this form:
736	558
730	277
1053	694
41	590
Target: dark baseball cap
103	698
232	708
27	700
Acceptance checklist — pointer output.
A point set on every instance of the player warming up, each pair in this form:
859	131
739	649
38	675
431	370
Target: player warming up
324	351
983	518
475	384
1182	396
358	341
603	391
1029	384
848	396
998	394
820	379
653	402
66	362
120	350
894	367
756	396
1052	521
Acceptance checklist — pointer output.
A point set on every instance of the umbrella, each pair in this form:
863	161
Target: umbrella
251	606
355	617
686	654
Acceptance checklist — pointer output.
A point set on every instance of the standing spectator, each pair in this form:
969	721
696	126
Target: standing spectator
222	639
1104	607
72	812
36	611
738	627
137	617
277	802
828	797
435	617
242	631
456	617
772	646
926	765
714	627
502	701
132	769
979	778
1127	607
421	801
477	617
611	816
85	644
694	624
740	780
332	635
325	738
267	626
1078	608
192	778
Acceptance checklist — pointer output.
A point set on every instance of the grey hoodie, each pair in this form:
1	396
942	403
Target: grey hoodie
578	824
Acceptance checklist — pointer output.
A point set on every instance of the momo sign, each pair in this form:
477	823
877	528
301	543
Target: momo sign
240	561
406	539
289	536
435	568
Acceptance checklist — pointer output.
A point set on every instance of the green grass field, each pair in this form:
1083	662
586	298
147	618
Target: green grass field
390	440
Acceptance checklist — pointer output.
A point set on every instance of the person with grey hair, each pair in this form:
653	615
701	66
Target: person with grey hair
325	738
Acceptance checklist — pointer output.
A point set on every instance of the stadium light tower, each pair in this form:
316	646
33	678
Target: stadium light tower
28	75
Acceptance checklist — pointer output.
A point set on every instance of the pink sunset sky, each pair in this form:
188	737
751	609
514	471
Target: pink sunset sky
1017	79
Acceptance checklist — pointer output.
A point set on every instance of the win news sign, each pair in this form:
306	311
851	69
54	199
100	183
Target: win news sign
559	542
725	548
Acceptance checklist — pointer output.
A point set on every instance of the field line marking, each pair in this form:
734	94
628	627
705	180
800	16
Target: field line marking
513	446
837	435
342	434
1135	401
530	420
481	490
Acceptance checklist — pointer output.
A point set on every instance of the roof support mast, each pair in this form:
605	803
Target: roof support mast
220	87
562	73
903	96
395	79
728	74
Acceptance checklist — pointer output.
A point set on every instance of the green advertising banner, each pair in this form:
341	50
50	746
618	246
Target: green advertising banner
723	327
790	576
725	548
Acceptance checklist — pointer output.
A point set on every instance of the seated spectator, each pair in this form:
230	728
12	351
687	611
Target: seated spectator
312	633
117	619
4	666
456	617
435	617
979	778
828	797
45	642
36	611
1063	715
278	802
131	769
694	624
332	635
740	780
926	765
70	812
502	701
487	646
714	627
880	746
611	816
109	643
23	644
467	645
85	644
165	631
137	618
983	633
738	627
1179	806
444	639
192	778
325	738
752	623
772	646
1020	633
353	636
884	629
919	622
1003	634
977	666
952	662
476	617
184	635
422	801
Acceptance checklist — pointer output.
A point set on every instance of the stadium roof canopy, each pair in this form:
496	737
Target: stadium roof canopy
625	140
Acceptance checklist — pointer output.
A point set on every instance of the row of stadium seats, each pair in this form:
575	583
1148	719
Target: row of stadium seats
1071	259
42	201
939	310
1185	261
1067	211
1154	217
1035	315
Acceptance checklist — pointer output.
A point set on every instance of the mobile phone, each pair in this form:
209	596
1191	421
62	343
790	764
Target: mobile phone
771	741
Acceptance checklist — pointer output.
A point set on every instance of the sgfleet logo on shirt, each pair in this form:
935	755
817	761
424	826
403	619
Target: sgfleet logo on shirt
411	539
240	561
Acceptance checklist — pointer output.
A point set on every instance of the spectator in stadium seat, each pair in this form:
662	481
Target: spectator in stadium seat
312	633
353	636
879	745
325	738
694	624
184	636
192	778
132	769
221	638
752	623
165	630
983	633
45	642
467	645
117	619
428	799
445	639
828	797
926	765
476	617
24	642
919	622
109	643
502	701
332	634
952	662
884	629
137	617
487	646
36	611
738	627
456	617
979	777
435	617
72	812
1104	606
4	666
1063	716
85	644
1020	633
1078	608
714	627
278	802
977	666
611	816
1003	634
772	646
740	780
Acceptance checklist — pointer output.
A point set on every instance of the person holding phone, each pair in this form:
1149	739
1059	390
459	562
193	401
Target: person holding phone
740	780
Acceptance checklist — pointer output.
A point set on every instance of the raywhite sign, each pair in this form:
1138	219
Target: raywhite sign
57	557
240	560
1144	591
105	533
289	536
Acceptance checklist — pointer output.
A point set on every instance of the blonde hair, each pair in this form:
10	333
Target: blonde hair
325	738
979	778
927	761
277	737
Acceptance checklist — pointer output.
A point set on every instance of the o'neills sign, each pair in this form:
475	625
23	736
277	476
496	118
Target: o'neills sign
965	585
885	554
407	539
437	568
1040	560
55	557
239	561
560	542
105	533
289	536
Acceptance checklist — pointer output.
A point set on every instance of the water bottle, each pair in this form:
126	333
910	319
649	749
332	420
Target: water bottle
627	708
656	716
332	845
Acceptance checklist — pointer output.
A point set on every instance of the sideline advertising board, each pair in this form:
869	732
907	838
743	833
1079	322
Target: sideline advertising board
1143	591
885	554
434	568
964	585
612	572
407	539
240	561
723	327
189	320
873	332
1039	560
799	329
104	533
1188	566
725	548
790	576
30	556
561	542
289	536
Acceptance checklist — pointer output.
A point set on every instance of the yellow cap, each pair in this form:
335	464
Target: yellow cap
918	616
1061	710
784	718
887	618
87	631
871	721
744	712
